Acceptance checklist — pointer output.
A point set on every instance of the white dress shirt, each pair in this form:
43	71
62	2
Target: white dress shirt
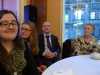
45	43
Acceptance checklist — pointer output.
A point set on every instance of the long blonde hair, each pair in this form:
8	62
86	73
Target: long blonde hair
33	39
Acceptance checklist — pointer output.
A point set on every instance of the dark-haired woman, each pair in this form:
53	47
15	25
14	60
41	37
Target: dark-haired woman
12	49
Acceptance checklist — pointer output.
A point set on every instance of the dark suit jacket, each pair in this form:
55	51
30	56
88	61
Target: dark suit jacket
55	48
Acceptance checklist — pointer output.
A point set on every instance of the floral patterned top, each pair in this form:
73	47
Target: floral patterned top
81	47
14	62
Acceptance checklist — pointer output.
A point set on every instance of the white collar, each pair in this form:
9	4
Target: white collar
47	34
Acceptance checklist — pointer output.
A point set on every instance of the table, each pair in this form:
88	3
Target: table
76	65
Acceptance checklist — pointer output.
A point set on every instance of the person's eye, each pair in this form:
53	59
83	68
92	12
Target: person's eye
4	24
22	28
13	23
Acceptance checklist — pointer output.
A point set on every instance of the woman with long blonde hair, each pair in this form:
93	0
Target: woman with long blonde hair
29	34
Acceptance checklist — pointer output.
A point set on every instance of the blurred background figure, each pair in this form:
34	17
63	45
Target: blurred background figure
49	48
67	50
29	34
87	43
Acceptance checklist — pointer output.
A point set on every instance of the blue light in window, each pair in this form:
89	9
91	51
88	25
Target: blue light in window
92	15
66	18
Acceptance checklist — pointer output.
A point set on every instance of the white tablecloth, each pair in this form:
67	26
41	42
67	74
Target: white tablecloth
76	65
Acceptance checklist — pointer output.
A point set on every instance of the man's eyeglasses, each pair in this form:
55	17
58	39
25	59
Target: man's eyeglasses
7	24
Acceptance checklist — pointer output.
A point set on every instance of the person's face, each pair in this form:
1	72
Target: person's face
46	27
26	31
88	29
8	27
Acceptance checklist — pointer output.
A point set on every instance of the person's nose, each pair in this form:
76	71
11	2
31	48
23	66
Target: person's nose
10	26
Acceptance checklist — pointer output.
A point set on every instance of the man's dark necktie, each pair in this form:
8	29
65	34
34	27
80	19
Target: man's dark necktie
48	42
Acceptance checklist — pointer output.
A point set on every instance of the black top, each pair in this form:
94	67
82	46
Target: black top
67	49
31	67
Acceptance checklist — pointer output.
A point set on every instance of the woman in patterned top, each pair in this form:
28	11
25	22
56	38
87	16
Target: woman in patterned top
12	61
87	43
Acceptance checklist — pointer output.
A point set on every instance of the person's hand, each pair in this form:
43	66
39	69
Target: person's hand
50	55
41	68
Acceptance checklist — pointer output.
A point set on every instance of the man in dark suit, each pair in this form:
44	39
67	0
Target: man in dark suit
49	48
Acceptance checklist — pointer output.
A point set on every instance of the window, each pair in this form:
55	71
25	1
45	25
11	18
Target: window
77	13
